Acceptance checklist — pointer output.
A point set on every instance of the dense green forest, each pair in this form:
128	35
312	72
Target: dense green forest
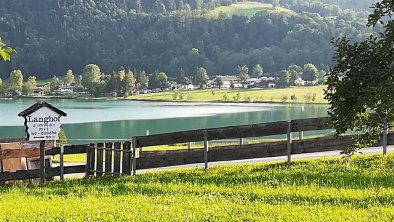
52	36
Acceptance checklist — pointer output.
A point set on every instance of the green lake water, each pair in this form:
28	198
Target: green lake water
95	120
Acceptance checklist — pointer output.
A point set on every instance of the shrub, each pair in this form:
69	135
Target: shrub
308	97
225	97
293	98
284	98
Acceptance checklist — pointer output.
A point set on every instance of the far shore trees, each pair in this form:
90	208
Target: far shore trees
29	85
15	82
257	71
201	77
158	80
141	81
219	82
91	75
310	72
128	83
69	77
242	74
55	82
284	78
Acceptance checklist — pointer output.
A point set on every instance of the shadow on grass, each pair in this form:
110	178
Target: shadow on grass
371	172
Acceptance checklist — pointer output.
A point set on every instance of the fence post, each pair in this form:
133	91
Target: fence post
289	142
62	162
92	159
189	145
301	135
241	141
117	159
108	158
206	149
126	163
42	162
100	158
87	169
133	144
385	132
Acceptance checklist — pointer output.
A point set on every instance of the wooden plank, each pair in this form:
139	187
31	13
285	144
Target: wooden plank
19	153
230	132
35	151
117	147
188	157
92	159
30	174
100	159
108	158
320	123
13	140
70	149
321	144
126	161
12	163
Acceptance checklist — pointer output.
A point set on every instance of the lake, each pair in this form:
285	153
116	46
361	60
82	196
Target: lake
95	120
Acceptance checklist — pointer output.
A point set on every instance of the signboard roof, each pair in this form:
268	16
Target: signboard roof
38	106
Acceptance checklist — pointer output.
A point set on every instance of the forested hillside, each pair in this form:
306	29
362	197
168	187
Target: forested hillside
51	36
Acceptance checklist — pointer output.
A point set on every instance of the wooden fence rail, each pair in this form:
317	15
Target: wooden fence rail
233	132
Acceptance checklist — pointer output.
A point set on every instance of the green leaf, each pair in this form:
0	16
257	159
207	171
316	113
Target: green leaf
5	55
9	51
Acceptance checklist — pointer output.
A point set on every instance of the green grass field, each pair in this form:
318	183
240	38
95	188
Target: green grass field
311	190
248	9
245	95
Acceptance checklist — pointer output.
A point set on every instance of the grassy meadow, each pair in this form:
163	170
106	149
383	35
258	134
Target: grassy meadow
248	9
245	95
310	190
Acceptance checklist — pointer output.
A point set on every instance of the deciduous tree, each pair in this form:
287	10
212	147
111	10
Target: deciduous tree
242	74
91	76
310	72
201	77
360	86
15	82
69	77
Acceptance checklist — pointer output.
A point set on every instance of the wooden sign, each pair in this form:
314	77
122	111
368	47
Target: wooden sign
42	121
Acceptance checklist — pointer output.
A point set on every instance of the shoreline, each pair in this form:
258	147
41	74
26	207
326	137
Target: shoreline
156	100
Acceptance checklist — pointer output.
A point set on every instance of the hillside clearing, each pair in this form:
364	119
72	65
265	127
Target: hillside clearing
248	9
310	190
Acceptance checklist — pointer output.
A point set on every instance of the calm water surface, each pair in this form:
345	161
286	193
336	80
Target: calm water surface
88	120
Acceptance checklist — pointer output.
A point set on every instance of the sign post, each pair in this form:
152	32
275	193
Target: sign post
42	122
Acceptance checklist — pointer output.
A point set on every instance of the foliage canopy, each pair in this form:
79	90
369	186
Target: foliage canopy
361	85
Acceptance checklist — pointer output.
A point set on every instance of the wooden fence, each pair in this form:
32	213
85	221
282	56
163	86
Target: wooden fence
121	158
154	159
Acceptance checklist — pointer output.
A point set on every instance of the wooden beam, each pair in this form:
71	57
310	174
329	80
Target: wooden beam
30	174
35	151
231	132
320	123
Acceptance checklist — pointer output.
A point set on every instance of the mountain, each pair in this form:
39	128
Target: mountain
51	36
